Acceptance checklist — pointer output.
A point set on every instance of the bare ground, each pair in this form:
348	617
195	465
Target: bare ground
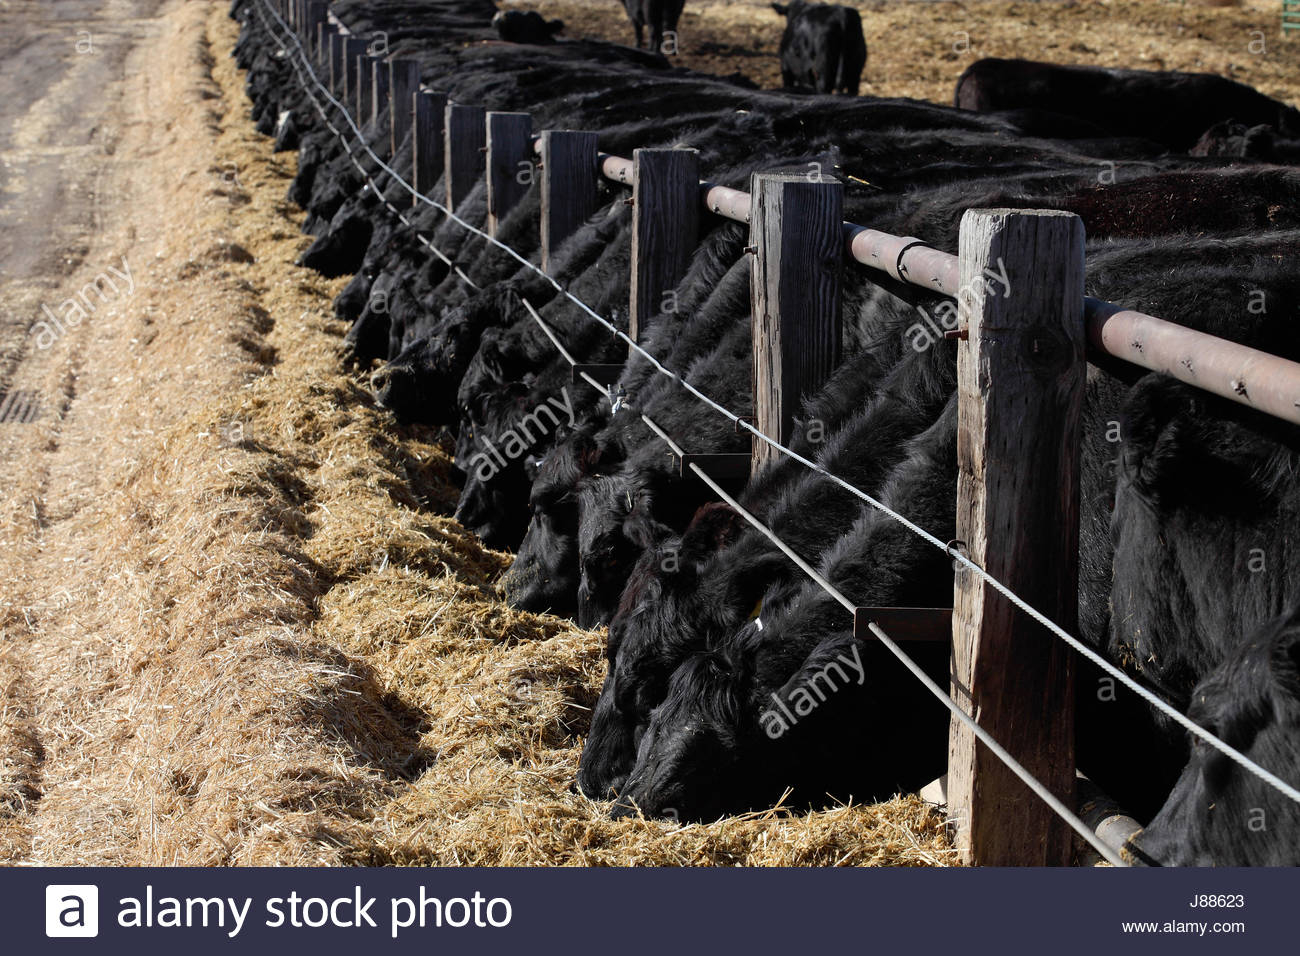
918	48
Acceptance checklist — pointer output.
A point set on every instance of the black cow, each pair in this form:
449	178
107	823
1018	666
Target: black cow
660	16
695	596
1169	107
1219	813
822	48
1207	496
421	383
768	710
1262	143
526	26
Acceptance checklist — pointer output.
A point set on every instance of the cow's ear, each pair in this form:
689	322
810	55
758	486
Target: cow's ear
645	533
713	527
781	9
555	26
489	357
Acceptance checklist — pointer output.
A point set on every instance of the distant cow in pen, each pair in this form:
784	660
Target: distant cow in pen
822	49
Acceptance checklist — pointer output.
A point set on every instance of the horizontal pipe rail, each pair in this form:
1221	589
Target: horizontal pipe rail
1247	376
1267	383
1258	380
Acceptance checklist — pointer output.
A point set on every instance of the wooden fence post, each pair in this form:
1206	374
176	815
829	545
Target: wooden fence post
353	48
404	80
379	96
336	62
464	128
1020	384
311	28
665	228
568	186
426	140
365	85
509	153
324	30
795	227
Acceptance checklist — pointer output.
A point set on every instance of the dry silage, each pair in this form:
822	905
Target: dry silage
287	652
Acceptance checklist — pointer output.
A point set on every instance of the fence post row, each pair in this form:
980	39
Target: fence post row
665	228
509	153
465	138
1020	375
379	96
568	182
427	110
404	80
795	231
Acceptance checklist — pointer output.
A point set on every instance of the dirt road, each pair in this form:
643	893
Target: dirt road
85	90
63	109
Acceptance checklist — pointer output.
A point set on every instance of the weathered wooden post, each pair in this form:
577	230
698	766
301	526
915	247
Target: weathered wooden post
465	132
795	232
665	228
1020	384
403	80
365	85
379	97
426	140
336	62
353	49
311	27
568	185
323	31
509	156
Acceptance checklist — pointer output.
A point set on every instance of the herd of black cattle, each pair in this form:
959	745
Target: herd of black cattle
1190	557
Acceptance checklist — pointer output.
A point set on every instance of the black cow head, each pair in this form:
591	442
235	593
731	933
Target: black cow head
526	26
544	575
1219	813
692	761
660	622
